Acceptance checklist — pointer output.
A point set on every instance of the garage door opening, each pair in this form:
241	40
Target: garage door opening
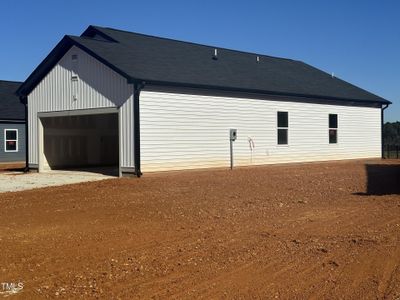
86	143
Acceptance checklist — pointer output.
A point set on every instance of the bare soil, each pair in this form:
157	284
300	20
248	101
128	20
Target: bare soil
316	231
12	167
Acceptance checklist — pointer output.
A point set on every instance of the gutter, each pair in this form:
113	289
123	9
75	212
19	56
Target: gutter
283	95
137	87
384	106
12	121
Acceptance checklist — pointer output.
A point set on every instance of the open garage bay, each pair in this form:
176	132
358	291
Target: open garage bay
81	142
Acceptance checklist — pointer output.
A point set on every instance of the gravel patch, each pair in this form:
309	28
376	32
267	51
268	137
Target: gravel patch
18	181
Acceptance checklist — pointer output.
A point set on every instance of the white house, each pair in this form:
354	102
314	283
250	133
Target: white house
144	103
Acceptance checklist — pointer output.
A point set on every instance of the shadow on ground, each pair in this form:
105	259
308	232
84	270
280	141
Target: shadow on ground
106	170
382	180
13	170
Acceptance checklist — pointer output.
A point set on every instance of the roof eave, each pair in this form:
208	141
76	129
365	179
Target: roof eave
45	66
9	120
52	59
260	92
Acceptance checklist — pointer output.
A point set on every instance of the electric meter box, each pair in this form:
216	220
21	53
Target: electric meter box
233	134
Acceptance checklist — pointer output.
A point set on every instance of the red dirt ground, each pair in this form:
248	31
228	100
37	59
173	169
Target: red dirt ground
316	231
12	166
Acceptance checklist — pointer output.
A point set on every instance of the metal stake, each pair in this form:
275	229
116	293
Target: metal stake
231	146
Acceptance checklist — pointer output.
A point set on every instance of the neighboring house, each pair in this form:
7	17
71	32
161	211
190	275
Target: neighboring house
12	123
144	103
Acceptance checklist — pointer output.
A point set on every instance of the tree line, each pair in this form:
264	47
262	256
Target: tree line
391	133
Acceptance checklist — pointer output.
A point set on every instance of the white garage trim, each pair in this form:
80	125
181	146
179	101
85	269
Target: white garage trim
95	112
79	112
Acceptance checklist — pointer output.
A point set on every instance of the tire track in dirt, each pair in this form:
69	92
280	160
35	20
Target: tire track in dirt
294	231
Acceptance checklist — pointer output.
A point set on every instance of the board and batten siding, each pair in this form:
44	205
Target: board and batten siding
185	131
19	155
97	87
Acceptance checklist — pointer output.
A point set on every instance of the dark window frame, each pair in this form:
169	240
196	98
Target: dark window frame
282	128
333	128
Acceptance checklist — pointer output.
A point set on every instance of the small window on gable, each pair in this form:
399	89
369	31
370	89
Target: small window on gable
74	56
11	140
283	127
333	128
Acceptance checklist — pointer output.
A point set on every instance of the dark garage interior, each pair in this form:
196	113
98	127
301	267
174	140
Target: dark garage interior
87	142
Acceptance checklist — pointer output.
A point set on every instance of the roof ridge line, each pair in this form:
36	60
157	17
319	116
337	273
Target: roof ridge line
196	44
88	38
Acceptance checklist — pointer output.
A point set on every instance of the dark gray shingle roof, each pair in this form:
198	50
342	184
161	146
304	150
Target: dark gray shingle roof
166	61
10	106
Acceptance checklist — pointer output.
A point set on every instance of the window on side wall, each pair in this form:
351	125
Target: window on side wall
283	127
11	140
333	128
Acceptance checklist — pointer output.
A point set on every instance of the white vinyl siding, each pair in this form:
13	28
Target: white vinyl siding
185	131
95	86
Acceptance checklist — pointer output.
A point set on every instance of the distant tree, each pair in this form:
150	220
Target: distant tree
391	133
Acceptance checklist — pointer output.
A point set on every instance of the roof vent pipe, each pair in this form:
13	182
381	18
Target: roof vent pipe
215	56
333	75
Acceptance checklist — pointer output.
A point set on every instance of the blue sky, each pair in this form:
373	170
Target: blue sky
357	40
